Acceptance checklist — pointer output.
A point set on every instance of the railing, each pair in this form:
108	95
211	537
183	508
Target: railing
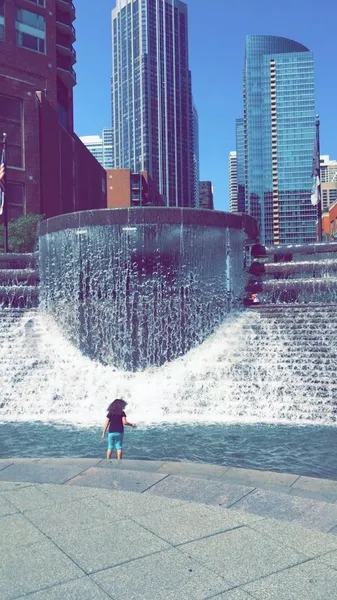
71	4
60	18
63	40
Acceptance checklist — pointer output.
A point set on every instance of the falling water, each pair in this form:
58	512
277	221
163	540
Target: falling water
267	366
135	296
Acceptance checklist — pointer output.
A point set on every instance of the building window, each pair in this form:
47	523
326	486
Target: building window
30	30
39	2
11	123
2	20
15	199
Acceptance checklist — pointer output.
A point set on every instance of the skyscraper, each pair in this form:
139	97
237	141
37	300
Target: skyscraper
240	164
152	116
196	166
233	183
328	181
100	147
279	130
206	195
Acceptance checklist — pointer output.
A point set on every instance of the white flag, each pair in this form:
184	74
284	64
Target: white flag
314	195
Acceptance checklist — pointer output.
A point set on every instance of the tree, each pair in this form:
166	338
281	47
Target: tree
22	233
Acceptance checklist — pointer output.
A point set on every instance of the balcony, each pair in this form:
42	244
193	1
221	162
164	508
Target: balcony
67	6
64	47
64	25
65	71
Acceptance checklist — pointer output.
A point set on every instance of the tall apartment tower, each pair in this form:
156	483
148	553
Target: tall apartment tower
279	134
100	147
240	164
328	181
196	160
206	195
152	118
233	183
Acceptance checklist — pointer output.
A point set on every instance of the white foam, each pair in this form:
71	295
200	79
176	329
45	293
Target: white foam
243	373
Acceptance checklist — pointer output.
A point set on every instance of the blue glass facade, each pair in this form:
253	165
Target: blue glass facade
279	133
196	162
152	117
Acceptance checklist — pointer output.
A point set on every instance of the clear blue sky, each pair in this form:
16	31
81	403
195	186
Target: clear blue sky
217	31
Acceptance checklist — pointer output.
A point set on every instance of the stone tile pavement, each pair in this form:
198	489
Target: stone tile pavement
88	529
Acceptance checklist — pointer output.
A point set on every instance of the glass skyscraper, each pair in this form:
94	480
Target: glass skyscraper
279	134
100	147
152	117
196	166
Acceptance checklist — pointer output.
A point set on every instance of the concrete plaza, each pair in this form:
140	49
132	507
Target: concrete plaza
88	529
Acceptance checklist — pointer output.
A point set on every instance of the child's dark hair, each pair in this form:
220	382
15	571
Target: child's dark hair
117	406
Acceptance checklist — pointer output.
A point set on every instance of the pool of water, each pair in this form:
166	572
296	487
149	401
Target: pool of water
304	450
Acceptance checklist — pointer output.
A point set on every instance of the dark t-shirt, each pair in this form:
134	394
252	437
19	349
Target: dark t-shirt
116	423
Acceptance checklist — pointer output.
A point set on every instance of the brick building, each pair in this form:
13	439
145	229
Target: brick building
131	189
329	222
49	170
206	195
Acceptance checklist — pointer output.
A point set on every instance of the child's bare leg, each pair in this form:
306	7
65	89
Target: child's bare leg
108	454
119	454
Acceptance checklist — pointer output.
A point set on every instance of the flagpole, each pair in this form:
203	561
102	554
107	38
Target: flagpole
319	195
5	212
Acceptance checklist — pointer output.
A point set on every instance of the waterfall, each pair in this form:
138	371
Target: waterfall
266	365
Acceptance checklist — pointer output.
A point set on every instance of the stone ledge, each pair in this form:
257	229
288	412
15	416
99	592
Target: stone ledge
62	470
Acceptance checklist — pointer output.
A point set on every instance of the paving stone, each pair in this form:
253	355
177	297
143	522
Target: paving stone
131	504
28	498
40	472
320	497
314	515
237	594
84	588
117	479
109	544
78	463
195	469
166	575
5	463
131	465
296	536
6	486
33	568
329	559
197	490
309	581
191	522
316	484
65	493
17	531
249	476
82	514
241	555
6	508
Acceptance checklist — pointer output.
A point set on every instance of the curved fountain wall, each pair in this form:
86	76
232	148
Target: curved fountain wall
141	286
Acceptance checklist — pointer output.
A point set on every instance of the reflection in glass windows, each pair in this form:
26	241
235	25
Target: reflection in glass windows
11	123
30	30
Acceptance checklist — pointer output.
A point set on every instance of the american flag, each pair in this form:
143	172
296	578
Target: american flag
3	175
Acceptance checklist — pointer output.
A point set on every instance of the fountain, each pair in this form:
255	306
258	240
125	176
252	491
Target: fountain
148	306
139	287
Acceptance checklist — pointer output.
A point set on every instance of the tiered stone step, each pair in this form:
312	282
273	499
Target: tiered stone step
19	280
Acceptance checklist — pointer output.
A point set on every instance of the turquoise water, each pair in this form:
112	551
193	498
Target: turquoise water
305	450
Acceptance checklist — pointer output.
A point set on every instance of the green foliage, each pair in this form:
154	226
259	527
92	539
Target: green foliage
22	233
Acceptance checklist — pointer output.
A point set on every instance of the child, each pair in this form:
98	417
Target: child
115	421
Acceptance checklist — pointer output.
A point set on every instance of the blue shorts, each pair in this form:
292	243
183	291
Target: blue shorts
115	441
